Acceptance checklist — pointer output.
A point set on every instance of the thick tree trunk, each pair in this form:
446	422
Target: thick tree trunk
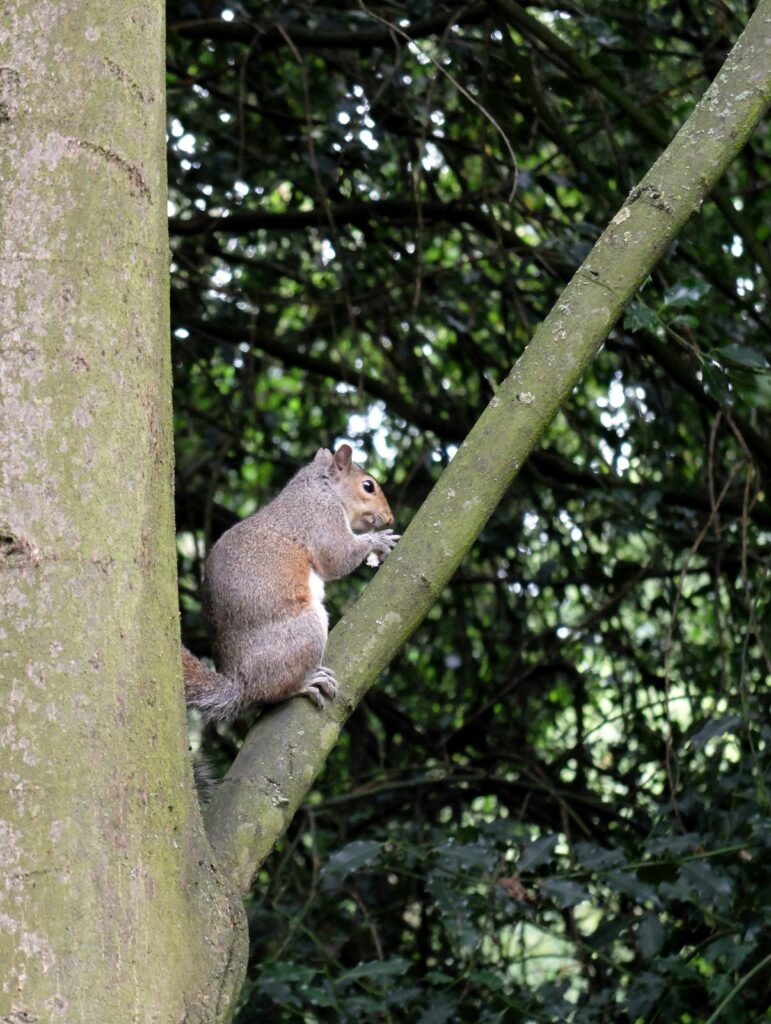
110	910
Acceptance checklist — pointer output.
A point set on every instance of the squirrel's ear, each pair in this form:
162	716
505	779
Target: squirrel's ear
343	457
322	455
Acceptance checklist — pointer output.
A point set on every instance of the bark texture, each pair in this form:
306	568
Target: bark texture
288	747
111	909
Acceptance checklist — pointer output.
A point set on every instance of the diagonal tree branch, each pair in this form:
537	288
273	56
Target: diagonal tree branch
286	750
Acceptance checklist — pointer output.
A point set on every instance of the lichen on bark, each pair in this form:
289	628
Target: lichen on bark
111	909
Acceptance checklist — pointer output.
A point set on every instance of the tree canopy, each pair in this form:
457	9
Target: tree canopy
555	805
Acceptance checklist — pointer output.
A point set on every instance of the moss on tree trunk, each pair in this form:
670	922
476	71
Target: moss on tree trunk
111	910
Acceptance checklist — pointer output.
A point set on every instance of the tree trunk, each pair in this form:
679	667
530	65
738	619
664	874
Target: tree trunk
111	910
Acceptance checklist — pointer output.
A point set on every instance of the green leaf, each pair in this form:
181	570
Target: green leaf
287	984
707	881
742	356
684	320
463	856
644	991
688	292
358	854
715	383
639	317
287	972
540	851
376	969
628	883
597	858
564	892
714	728
650	936
672	845
488	979
440	1011
607	932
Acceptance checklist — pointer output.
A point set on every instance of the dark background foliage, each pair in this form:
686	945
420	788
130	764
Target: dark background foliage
554	807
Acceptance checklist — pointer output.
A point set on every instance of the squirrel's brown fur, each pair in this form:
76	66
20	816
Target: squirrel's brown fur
264	587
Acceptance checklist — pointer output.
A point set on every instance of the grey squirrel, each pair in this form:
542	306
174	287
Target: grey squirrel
264	587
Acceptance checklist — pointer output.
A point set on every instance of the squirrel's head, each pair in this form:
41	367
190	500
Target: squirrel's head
360	494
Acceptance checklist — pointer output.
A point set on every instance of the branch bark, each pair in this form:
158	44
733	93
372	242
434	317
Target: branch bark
287	748
272	37
352	213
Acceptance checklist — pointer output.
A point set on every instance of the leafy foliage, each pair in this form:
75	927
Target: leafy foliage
555	807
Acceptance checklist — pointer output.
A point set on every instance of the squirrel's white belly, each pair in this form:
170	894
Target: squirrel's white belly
316	587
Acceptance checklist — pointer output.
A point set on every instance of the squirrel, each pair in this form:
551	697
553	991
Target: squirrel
264	587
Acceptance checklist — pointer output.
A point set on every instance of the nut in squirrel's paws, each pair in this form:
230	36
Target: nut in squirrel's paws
322	685
385	541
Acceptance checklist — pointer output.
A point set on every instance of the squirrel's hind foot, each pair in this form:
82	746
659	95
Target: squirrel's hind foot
321	685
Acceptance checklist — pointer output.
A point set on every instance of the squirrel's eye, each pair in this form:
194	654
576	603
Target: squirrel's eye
369	486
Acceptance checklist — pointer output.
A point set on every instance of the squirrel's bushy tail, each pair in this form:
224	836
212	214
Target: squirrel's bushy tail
214	695
204	778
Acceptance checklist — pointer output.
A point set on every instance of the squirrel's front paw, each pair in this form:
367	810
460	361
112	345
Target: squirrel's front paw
382	543
320	685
